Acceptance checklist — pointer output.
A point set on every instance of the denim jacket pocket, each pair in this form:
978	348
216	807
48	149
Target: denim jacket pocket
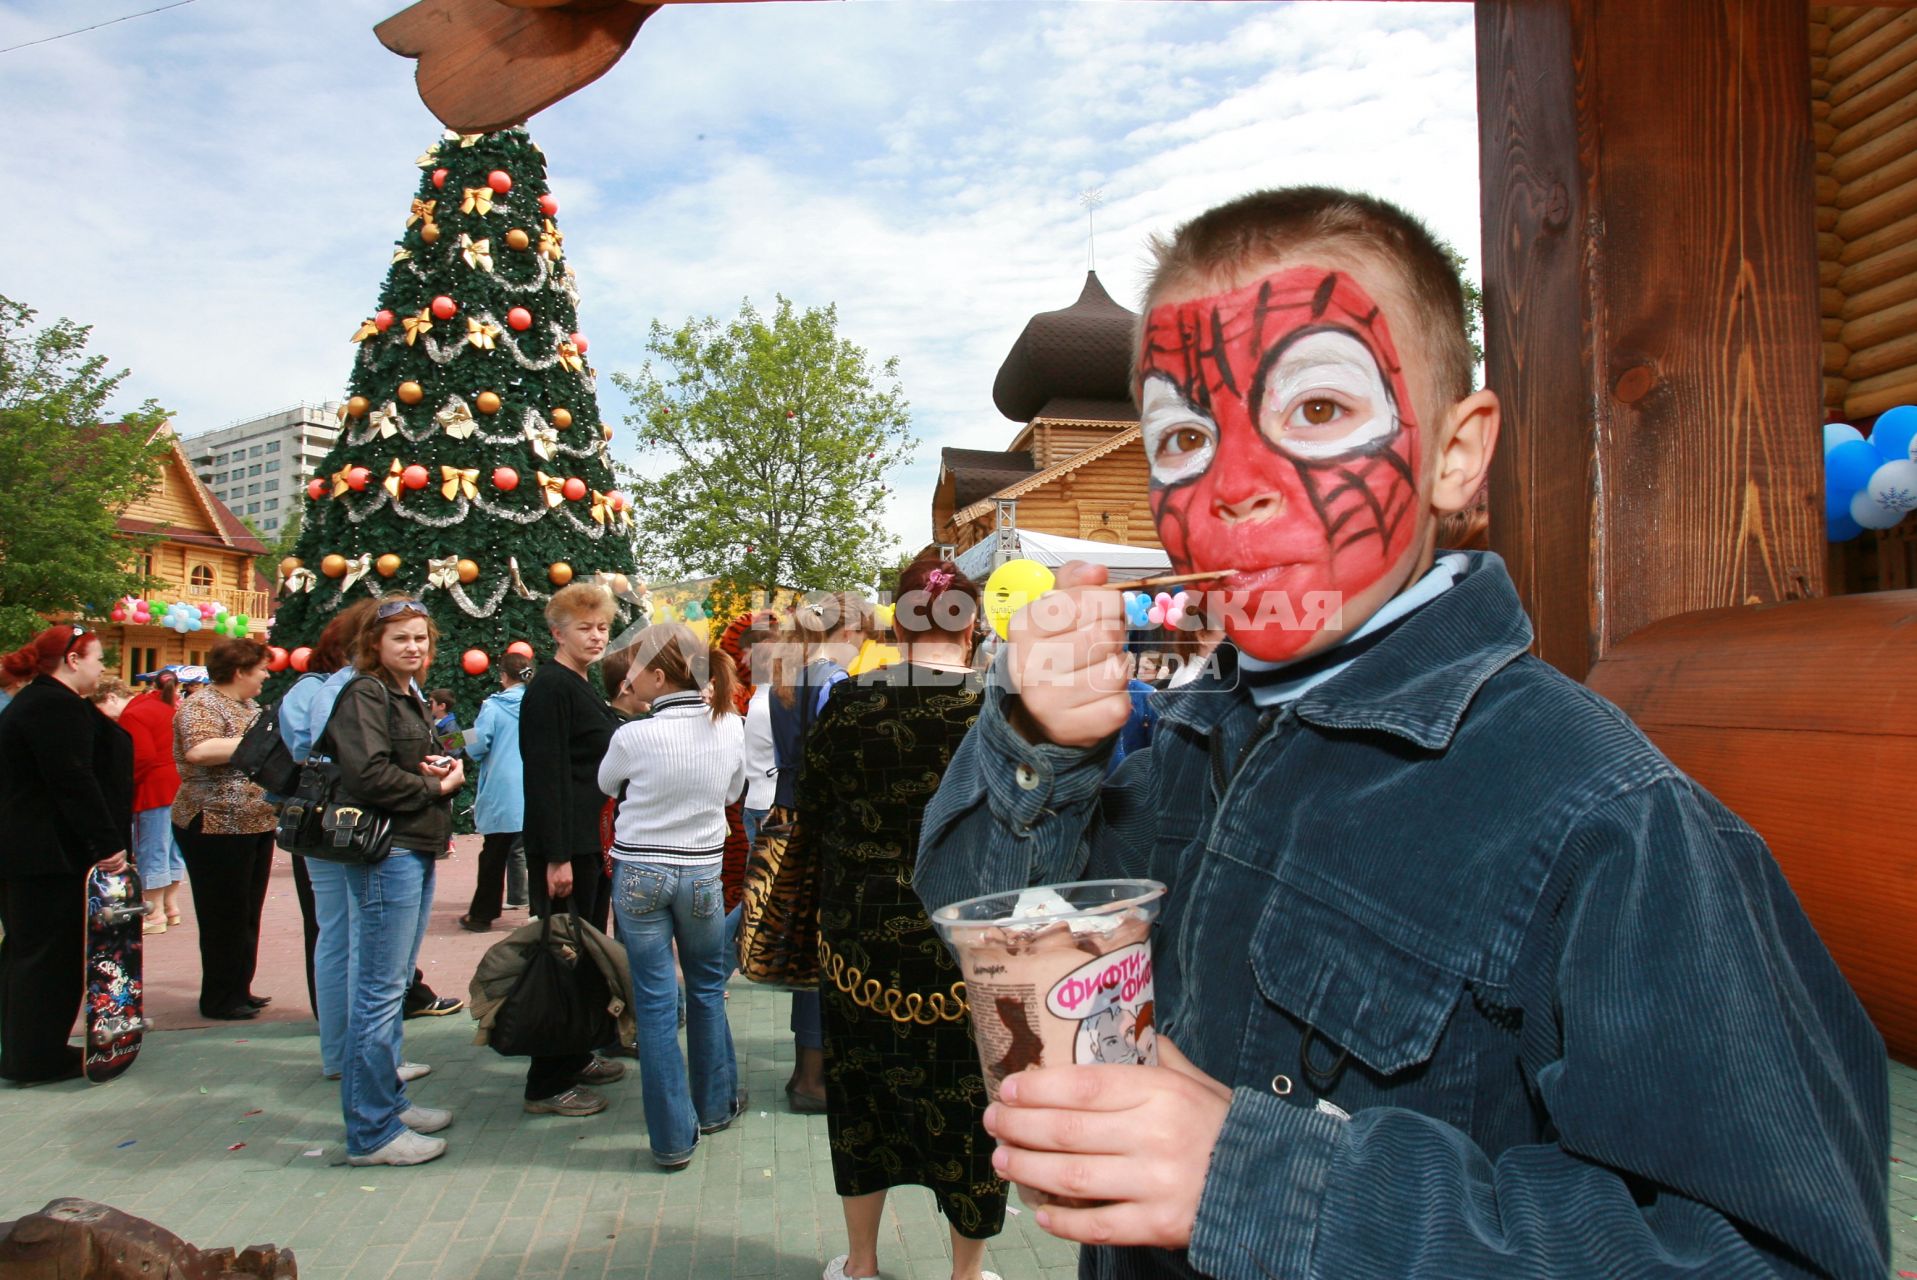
1343	992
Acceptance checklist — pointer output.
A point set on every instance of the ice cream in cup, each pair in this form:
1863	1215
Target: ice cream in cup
1058	974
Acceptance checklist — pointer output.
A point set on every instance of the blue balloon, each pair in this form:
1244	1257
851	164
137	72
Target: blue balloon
1836	433
195	622
1138	606
1847	468
1893	433
1843	529
1837	503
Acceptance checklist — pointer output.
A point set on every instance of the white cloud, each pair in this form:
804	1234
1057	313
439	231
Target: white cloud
217	187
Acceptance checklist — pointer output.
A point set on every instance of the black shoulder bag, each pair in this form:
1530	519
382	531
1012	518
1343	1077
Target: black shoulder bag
262	754
320	819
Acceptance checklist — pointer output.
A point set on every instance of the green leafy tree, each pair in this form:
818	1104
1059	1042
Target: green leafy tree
773	438
278	545
65	476
470	468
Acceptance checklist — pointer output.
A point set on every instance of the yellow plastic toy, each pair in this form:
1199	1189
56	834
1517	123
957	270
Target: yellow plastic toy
1011	586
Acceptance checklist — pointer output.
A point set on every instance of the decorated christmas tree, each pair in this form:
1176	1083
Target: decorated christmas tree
470	469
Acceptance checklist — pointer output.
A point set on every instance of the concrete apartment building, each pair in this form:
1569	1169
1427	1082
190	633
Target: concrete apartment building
259	467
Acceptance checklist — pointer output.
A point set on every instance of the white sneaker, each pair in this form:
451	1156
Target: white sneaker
835	1270
425	1119
409	1071
407	1148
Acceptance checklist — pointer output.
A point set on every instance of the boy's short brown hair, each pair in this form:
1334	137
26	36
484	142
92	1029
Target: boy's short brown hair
1270	224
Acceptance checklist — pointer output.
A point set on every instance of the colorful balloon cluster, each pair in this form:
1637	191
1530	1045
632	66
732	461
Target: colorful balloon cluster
181	617
1870	484
1165	609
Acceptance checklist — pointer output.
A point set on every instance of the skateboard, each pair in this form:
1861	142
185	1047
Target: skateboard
114	1019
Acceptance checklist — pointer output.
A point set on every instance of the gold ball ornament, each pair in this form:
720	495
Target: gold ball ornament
388	565
430	233
468	572
562	418
605	429
288	565
357	407
334	566
487	402
620	584
560	572
411	393
517	238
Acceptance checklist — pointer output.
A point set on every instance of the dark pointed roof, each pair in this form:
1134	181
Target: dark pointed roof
1082	352
980	473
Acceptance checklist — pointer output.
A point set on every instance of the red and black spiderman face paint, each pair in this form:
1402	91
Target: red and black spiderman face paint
1283	444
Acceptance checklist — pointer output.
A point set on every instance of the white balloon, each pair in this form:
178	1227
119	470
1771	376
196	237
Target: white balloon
1894	485
1835	433
1870	515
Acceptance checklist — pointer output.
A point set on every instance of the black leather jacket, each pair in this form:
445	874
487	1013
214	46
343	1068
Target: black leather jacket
379	736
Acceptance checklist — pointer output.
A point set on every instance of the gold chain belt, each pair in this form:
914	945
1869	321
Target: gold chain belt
900	1006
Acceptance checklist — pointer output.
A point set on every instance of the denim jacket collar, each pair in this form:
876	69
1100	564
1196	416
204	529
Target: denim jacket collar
1416	684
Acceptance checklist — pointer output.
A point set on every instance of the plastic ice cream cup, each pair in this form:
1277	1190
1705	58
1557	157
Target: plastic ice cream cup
1057	974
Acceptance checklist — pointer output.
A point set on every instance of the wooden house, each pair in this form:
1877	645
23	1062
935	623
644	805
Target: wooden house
1076	466
204	554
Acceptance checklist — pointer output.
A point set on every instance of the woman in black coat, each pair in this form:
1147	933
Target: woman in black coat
66	804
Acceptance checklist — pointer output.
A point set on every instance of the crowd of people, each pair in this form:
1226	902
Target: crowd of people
1455	975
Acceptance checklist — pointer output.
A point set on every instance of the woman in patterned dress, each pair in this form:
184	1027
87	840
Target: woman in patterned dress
904	1093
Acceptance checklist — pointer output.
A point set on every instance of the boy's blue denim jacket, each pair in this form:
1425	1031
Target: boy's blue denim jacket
1577	1018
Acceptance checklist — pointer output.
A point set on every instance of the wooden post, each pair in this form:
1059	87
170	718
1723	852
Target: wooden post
1652	309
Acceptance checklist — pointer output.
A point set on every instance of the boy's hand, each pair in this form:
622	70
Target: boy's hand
1068	661
1137	1140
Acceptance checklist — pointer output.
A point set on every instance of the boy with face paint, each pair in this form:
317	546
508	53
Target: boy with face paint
1457	975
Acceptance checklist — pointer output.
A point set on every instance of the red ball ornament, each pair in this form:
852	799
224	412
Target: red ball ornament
617	501
549	205
439	178
789	414
574	488
444	307
316	489
579	340
505	479
474	662
357	479
520	647
500	181
414	477
276	658
519	318
299	658
383	321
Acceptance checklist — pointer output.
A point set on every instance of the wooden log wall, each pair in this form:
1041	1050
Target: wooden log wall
1864	107
1651	309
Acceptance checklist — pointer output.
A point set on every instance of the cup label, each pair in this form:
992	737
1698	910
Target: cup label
1110	998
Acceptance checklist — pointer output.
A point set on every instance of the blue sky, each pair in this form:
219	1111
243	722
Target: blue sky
216	188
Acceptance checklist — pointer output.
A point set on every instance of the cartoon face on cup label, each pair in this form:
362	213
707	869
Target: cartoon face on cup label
1110	997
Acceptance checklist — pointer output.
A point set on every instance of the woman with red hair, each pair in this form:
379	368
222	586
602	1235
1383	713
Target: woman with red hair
66	804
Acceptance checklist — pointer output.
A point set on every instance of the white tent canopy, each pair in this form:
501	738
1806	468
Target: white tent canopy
1053	549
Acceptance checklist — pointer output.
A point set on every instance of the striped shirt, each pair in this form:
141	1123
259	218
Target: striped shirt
675	770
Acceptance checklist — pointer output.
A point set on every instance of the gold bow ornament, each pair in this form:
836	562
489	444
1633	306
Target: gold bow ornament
456	420
552	241
543	439
400	255
569	357
416	325
467	139
478	253
384	420
299	580
443	574
599	509
356	568
429	157
458	480
367	329
392	480
422	211
477	200
339	480
481	332
554	487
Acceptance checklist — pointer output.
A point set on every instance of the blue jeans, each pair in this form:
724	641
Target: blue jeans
655	904
156	856
336	908
391	900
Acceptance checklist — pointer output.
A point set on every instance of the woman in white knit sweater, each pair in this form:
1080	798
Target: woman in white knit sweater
675	771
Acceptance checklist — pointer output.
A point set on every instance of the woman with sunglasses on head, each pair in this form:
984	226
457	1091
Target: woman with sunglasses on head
66	804
389	759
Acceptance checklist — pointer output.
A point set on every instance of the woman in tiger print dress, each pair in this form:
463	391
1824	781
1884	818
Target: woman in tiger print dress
904	1093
